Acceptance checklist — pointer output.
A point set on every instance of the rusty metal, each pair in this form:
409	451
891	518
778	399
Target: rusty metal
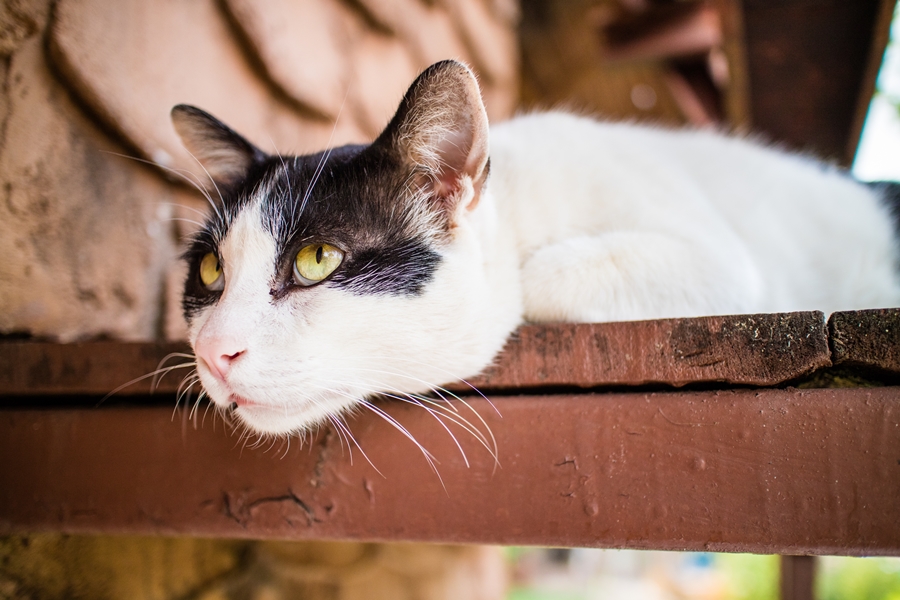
771	471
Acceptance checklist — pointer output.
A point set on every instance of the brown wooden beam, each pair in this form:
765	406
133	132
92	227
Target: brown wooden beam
744	349
772	471
809	63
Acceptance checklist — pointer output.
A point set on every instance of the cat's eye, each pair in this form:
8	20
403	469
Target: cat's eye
211	274
315	262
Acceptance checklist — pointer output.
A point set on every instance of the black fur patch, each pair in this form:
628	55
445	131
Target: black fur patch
890	195
358	198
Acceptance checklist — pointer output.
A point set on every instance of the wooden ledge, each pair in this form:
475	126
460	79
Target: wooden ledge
777	470
771	471
757	350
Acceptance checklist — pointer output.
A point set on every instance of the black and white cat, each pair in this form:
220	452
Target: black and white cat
321	280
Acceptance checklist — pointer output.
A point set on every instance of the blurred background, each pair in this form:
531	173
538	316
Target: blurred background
98	198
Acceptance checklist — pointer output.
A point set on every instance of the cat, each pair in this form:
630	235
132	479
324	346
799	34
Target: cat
321	280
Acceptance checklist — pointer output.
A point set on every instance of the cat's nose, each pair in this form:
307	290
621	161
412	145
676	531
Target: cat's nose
219	356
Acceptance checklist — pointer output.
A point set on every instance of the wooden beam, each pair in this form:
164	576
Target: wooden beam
771	471
744	350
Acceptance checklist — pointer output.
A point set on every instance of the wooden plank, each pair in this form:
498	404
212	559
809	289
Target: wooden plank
807	63
761	350
866	338
91	368
772	471
744	349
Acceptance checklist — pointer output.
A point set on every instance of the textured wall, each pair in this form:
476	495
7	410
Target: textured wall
58	567
87	235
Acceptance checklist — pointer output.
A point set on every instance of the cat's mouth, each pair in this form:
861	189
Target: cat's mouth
242	402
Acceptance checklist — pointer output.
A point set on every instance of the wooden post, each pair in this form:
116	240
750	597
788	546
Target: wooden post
798	576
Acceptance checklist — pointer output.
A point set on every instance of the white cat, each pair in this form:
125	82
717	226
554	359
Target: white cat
321	280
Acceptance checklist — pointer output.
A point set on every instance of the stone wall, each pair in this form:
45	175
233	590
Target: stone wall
95	185
96	196
58	567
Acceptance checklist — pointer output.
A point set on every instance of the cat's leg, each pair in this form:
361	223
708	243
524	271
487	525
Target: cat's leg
637	275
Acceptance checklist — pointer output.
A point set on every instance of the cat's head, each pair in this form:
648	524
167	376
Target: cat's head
319	280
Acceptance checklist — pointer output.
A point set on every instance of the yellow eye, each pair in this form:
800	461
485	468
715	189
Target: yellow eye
211	272
316	262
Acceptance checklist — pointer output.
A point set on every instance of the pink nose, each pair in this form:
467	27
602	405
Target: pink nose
219	355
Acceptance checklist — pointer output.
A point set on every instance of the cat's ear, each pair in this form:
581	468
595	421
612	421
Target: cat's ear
226	156
441	130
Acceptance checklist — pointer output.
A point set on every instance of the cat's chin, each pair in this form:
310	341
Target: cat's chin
280	420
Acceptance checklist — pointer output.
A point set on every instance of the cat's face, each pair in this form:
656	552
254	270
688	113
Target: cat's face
320	280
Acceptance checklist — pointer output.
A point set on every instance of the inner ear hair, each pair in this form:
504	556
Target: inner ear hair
441	130
225	154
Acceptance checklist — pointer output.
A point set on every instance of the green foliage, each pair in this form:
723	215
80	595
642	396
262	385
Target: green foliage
858	579
750	576
531	594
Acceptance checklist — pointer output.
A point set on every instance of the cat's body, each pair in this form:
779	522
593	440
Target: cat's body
405	264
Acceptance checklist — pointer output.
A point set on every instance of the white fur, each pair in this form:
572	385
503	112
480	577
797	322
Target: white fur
616	221
580	221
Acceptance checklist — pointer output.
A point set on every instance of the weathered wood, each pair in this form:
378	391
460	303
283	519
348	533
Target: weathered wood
98	368
866	338
807	63
744	349
759	350
771	471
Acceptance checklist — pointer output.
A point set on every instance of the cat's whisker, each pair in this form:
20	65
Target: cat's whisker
185	207
287	177
186	220
211	180
471	428
180	173
192	362
384	390
453	377
387	417
437	418
456	417
340	425
200	397
321	166
189	381
153	373
432	461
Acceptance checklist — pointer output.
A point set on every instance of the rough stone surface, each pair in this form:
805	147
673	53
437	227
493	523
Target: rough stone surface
20	20
102	53
57	567
84	233
60	567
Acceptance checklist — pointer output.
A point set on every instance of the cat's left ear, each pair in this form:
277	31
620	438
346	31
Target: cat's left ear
224	153
441	130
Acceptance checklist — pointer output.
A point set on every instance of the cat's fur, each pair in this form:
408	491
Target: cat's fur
454	236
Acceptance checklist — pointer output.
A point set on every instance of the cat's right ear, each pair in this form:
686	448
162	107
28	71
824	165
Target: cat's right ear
440	131
225	154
